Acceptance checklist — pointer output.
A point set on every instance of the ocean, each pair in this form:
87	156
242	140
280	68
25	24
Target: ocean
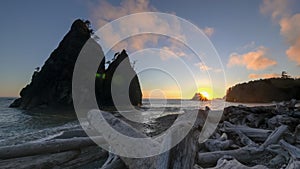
20	126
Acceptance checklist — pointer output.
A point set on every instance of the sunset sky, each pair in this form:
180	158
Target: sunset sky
254	39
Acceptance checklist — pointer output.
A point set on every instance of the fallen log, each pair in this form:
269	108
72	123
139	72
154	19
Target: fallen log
86	156
50	146
255	134
244	154
39	161
217	145
116	164
293	164
293	150
275	136
231	163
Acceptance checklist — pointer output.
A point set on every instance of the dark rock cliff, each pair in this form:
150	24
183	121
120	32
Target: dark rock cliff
265	90
125	75
51	87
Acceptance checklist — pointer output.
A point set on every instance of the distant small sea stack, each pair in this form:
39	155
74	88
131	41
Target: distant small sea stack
200	97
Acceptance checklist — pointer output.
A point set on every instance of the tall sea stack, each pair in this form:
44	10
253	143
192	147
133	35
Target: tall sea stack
51	87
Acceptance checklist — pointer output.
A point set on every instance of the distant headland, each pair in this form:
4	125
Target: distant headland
265	90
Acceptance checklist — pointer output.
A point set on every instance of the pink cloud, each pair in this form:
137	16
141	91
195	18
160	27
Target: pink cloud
255	60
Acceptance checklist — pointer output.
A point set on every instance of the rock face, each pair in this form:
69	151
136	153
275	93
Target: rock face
266	90
105	83
51	87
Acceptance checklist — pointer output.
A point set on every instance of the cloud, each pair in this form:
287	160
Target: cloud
103	12
289	25
255	60
209	31
263	76
275	8
167	52
247	46
202	66
290	29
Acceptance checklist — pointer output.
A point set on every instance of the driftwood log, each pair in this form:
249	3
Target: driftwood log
51	146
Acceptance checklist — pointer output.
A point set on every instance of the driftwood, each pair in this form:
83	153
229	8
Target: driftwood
51	146
293	150
86	156
255	134
113	162
116	164
217	145
274	136
39	161
231	163
245	154
180	156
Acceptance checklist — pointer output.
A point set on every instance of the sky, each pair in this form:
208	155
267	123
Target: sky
254	39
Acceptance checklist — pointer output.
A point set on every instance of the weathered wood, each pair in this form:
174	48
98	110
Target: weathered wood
281	120
111	157
72	134
217	145
297	134
254	133
276	148
275	136
86	156
293	150
39	161
277	160
227	163
180	156
50	146
293	164
105	121
245	140
244	154
116	164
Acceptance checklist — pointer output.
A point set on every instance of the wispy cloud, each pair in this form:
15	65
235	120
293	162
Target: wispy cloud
209	31
255	60
289	24
276	8
263	76
103	12
202	66
171	52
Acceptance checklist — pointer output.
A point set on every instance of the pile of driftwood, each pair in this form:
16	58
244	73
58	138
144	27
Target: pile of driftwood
246	137
255	137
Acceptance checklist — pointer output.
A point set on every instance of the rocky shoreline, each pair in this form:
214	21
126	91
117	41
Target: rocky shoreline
246	137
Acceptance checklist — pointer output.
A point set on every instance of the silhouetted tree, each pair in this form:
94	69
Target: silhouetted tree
284	75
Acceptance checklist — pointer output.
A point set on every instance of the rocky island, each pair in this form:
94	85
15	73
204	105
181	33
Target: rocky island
50	88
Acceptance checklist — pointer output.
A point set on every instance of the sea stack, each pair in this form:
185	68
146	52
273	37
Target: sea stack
51	86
